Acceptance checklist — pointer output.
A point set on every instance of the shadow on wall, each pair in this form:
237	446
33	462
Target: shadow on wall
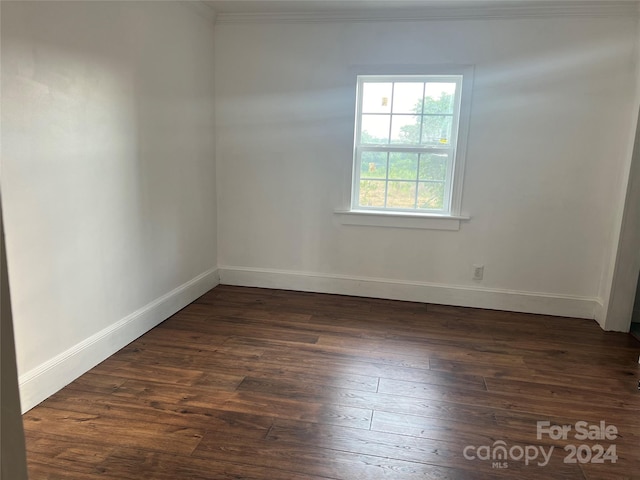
13	462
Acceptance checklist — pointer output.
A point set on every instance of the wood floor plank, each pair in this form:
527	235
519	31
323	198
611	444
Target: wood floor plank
95	382
117	408
180	395
520	401
48	470
162	466
435	429
625	398
411	448
233	362
257	384
300	409
311	460
582	378
132	370
170	438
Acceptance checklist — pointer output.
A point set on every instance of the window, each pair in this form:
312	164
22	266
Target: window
408	152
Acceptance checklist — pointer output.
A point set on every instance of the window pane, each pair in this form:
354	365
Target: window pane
371	193
375	129
373	165
405	129
376	97
431	195
438	97
407	97
433	166
401	195
436	130
403	166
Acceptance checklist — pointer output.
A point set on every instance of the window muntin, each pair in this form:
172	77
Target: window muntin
405	142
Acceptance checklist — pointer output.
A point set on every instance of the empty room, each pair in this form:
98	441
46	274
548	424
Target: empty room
316	239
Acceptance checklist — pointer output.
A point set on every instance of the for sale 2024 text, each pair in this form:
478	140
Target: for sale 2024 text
581	431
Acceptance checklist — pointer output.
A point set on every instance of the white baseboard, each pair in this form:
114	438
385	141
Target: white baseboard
464	296
43	381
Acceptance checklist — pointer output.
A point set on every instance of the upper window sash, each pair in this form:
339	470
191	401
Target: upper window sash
394	79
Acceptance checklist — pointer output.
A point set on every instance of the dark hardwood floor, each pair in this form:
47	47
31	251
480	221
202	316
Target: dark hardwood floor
274	385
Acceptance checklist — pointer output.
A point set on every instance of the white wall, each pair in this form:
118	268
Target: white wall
108	176
548	144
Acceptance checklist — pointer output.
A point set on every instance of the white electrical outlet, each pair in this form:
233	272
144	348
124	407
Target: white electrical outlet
478	272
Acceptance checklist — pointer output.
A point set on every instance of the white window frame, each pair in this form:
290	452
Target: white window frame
414	217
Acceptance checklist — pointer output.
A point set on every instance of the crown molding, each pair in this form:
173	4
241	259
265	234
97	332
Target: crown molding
434	11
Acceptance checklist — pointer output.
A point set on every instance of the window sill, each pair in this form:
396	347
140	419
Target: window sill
400	219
